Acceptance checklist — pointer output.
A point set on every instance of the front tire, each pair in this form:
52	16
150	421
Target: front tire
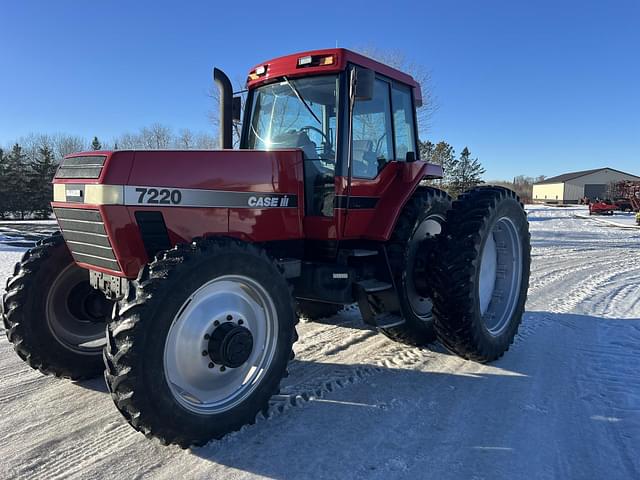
201	342
53	317
482	273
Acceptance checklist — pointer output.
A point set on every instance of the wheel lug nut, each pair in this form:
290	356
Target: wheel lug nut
216	323
206	336
229	317
211	365
240	322
205	353
222	368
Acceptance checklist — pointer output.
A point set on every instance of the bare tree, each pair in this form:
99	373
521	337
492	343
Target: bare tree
205	141
32	143
185	139
521	184
128	141
66	144
188	140
156	137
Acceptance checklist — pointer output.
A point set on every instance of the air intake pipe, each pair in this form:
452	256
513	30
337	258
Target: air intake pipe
226	107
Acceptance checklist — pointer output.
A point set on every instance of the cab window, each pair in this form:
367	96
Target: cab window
405	139
372	145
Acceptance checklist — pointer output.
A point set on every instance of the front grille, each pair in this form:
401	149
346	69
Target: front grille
81	167
85	235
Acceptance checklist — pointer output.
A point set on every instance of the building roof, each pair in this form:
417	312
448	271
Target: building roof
572	175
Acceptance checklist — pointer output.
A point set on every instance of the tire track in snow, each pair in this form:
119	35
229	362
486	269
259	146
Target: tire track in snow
567	294
620	295
588	287
60	458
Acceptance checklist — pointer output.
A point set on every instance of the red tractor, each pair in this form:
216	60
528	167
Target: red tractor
199	263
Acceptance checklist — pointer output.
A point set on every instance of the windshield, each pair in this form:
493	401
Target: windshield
296	113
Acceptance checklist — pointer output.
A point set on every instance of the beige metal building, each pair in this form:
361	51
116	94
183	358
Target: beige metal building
571	187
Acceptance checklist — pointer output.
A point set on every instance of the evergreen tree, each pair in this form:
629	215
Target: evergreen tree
43	168
426	151
467	173
15	182
444	154
95	144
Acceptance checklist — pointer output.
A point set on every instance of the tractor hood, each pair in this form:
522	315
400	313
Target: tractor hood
116	210
119	177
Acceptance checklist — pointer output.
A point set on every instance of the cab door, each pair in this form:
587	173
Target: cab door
382	152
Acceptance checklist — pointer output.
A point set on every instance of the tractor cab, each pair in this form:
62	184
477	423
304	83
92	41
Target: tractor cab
354	120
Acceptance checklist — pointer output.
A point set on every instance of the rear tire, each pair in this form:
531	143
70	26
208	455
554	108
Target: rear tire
201	341
53	317
482	273
419	225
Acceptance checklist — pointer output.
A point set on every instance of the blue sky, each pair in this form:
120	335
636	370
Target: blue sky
535	88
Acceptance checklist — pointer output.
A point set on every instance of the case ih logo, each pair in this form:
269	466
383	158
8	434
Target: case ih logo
262	201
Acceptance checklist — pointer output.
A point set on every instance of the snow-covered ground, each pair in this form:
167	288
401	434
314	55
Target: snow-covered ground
618	219
563	403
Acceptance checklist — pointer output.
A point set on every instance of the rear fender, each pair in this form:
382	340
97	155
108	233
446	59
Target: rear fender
395	197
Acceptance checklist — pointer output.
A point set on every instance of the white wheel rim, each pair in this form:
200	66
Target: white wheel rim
430	227
82	334
193	382
500	276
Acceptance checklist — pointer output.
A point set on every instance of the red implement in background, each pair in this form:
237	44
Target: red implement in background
602	208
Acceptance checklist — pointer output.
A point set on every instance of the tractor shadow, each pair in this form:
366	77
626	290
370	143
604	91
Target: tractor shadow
94	384
404	421
382	426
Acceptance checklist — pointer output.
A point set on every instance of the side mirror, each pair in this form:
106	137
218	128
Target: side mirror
362	80
236	109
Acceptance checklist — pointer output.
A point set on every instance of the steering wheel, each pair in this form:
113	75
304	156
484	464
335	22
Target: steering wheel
316	129
326	148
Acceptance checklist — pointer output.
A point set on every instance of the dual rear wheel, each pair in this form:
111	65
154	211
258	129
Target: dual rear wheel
480	276
461	270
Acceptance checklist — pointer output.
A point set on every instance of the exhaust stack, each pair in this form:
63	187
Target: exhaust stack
226	107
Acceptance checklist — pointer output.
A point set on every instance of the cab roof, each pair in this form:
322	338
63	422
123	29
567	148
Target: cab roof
341	57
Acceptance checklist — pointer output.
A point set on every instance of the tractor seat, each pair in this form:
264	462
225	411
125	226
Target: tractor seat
365	160
297	139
